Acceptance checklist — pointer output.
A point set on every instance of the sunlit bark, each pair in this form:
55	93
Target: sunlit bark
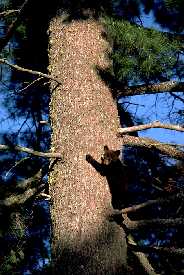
84	118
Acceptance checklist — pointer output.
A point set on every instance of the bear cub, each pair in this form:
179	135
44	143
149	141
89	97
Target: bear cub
115	172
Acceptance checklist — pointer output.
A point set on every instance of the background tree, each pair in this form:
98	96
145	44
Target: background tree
23	176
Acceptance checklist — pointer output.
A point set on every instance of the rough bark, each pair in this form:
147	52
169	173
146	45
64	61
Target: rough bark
84	118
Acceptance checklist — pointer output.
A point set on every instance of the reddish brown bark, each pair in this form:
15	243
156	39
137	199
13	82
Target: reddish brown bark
84	119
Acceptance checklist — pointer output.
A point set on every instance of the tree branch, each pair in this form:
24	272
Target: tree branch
159	201
28	182
8	12
16	199
154	145
21	198
155	124
142	259
168	86
177	97
134	225
14	25
31	84
44	196
18	68
164	250
30	151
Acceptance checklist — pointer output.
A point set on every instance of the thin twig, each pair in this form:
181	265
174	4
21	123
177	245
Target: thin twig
18	68
8	12
14	166
30	84
177	97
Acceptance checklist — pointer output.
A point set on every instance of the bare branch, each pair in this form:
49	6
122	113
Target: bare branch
8	12
173	144
14	25
30	151
154	145
28	182
45	196
18	68
142	259
15	165
168	86
155	124
17	199
21	198
134	225
145	263
31	84
132	103
159	201
163	250
177	97
44	122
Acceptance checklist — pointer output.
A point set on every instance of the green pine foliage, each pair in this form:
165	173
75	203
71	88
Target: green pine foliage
140	55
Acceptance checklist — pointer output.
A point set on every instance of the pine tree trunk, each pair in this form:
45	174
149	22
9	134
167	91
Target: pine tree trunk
84	118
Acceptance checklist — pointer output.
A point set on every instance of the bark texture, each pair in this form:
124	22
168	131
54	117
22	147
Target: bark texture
84	118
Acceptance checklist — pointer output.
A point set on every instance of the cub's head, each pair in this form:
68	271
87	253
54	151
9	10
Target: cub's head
110	156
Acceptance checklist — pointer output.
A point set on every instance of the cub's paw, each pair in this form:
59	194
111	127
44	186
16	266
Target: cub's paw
89	158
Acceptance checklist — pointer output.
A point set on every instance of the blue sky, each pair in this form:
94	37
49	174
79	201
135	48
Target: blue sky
156	107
